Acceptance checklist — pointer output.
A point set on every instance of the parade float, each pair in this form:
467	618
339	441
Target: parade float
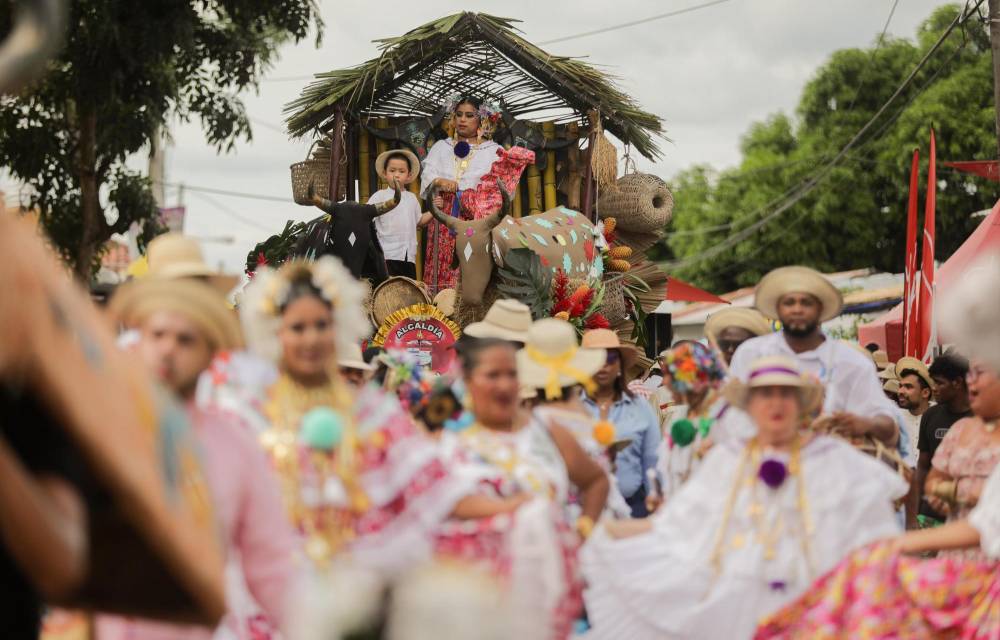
571	239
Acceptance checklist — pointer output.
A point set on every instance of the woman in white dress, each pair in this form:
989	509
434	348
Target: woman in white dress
465	168
748	532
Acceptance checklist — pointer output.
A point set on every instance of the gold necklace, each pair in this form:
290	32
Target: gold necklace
500	452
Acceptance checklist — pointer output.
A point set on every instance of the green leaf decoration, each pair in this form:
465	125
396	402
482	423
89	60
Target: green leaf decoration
523	278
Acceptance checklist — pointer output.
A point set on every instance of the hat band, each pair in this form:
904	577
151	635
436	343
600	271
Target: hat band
777	369
557	365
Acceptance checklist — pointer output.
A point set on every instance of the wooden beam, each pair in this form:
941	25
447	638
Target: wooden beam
588	171
336	154
549	132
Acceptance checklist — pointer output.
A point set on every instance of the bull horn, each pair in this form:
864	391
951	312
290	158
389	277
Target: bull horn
439	215
505	199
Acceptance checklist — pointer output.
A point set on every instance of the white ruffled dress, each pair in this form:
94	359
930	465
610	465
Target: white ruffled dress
663	584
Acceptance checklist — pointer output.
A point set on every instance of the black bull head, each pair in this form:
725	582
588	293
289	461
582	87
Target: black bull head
563	239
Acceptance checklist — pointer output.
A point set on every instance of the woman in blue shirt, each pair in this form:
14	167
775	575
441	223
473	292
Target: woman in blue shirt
632	416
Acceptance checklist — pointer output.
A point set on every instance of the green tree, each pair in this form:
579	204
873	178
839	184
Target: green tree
128	69
856	217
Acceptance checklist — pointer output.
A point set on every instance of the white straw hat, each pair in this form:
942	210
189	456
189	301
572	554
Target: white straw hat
742	317
785	280
175	255
506	320
354	360
552	360
775	371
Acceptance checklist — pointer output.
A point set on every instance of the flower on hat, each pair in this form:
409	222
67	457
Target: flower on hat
693	367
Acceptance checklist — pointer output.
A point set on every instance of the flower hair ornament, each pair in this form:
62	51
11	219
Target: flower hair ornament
267	294
693	367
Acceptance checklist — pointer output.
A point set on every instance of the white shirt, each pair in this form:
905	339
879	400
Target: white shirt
397	230
441	162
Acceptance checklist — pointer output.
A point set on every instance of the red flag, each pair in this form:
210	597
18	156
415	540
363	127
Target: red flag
911	279
925	346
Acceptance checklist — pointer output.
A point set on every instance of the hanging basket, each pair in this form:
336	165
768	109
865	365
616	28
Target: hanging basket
315	169
640	202
613	306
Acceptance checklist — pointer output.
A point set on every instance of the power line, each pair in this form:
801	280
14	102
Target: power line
289	79
810	184
224	209
223	192
871	58
634	23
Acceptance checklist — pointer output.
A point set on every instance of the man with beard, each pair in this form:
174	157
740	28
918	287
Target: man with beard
802	299
915	390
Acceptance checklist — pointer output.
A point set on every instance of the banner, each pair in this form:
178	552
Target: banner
926	343
911	278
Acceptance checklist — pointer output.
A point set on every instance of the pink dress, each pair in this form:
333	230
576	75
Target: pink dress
261	570
477	202
968	459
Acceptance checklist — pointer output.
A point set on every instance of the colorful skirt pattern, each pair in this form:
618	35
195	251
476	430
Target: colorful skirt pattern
875	593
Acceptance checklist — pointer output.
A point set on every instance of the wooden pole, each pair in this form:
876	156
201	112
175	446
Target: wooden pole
549	132
364	165
573	163
336	154
995	46
588	171
381	146
534	204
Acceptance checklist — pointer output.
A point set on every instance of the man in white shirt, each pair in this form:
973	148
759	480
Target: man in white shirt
802	299
397	229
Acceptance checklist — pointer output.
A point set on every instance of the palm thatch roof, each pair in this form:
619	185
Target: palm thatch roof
477	54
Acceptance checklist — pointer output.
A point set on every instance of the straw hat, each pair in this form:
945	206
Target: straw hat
889	373
411	158
506	319
445	301
197	301
174	255
881	359
742	317
785	280
398	292
892	386
918	367
776	371
354	360
608	339
551	359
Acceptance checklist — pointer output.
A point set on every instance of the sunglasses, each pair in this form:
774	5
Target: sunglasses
613	357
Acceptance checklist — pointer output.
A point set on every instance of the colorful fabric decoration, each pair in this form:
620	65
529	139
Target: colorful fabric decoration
693	367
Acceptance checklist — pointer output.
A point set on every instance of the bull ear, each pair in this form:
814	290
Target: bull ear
439	215
495	218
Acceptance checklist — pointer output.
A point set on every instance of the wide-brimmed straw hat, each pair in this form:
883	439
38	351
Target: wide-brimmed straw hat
742	317
551	358
776	371
881	359
174	255
354	360
608	339
411	158
785	280
197	301
889	373
916	366
891	386
506	320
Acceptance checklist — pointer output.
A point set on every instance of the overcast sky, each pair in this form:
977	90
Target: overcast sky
708	74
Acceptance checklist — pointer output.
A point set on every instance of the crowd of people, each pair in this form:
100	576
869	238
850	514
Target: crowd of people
756	483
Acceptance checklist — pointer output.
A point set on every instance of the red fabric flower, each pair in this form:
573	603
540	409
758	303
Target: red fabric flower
597	321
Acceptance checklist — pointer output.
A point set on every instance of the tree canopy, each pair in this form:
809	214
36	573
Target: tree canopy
856	217
127	69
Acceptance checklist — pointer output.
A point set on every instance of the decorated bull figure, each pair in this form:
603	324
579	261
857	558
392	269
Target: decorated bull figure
562	238
348	232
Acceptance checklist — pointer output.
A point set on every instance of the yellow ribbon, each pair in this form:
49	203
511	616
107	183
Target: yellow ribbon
557	365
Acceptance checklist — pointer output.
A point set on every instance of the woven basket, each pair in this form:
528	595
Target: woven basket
394	294
613	304
640	202
315	169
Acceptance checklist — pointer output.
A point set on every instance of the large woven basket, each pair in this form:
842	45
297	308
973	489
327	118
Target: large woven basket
640	202
394	294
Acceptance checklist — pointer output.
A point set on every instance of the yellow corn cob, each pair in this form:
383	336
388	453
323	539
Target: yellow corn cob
609	225
619	265
621	251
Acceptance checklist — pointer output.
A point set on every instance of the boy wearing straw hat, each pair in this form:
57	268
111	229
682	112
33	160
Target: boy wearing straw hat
182	325
397	229
802	299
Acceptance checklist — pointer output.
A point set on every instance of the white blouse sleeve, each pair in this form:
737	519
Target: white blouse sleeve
985	517
437	164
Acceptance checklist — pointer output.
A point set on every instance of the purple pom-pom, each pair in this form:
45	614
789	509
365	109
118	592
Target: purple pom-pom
773	473
776	585
462	149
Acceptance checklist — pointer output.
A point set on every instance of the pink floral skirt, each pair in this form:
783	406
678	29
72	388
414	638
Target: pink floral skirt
875	593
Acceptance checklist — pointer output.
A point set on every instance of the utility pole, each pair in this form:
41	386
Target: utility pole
995	46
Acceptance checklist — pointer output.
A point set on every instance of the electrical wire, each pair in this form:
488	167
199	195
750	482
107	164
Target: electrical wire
807	186
635	23
223	192
236	216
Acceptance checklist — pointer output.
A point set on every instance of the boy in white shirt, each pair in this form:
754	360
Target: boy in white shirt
397	229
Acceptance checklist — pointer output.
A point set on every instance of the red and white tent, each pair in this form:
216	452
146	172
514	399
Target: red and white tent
887	331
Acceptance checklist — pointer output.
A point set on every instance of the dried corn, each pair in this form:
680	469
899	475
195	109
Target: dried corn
621	251
619	265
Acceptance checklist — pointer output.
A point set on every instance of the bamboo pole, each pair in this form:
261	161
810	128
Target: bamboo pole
515	207
381	146
336	153
575	179
549	132
588	172
534	204
364	165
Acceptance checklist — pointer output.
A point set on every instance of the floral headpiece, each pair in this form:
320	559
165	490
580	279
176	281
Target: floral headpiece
267	294
489	113
693	367
421	391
